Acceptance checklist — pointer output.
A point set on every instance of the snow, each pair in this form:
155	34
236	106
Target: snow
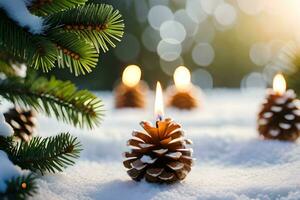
7	170
5	128
232	162
17	11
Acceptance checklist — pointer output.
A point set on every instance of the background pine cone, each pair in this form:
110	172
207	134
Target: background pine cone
127	97
160	155
183	100
280	117
22	121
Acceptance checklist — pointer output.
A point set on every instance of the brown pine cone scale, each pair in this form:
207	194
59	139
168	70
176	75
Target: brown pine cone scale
279	117
160	154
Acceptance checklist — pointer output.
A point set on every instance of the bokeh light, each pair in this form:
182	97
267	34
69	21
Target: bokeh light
158	15
195	11
209	6
254	80
260	54
169	67
141	10
172	31
202	78
252	7
190	26
225	14
150	38
169	51
203	54
129	49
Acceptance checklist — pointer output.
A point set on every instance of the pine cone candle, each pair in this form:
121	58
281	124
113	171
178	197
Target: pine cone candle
280	117
184	94
22	121
160	155
130	97
131	92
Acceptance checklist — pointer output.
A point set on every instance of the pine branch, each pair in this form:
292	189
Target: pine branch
6	143
46	7
50	154
55	98
80	56
99	23
20	188
35	50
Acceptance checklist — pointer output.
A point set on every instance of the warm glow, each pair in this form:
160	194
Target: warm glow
131	75
159	102
182	78
279	84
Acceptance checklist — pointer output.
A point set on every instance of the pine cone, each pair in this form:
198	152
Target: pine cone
280	117
22	121
130	97
160	155
183	100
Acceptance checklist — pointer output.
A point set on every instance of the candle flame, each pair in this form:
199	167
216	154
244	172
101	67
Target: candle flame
279	84
131	75
182	78
159	107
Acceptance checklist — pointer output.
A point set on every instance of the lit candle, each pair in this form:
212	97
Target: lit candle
131	92
159	107
159	154
183	96
279	117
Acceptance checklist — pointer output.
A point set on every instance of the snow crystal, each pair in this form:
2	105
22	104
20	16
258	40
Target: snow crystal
5	128
17	10
148	159
232	162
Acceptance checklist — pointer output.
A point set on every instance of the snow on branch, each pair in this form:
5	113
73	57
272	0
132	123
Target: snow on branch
17	11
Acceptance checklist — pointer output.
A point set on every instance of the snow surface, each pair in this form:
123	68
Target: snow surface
232	161
5	128
17	10
7	170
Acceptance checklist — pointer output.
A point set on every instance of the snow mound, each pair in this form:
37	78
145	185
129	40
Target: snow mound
17	11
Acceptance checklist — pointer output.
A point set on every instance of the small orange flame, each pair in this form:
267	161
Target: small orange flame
159	105
131	75
279	84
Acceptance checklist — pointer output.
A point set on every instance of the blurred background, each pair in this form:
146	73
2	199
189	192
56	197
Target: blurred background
225	43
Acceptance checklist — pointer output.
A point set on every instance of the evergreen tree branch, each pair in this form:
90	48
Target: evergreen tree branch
20	188
80	56
50	154
55	98
35	50
99	23
46	7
